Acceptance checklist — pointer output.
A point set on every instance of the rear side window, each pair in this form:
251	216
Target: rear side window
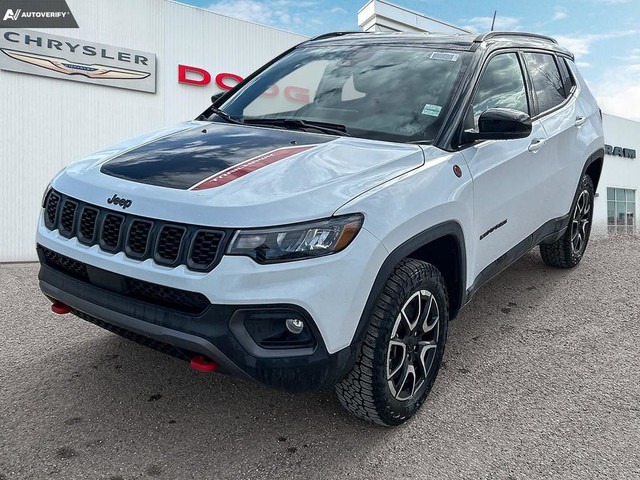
567	79
547	82
501	86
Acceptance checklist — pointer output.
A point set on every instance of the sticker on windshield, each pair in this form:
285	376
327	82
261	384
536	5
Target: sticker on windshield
450	57
431	110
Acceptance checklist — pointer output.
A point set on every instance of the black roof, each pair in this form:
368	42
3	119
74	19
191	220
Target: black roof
462	41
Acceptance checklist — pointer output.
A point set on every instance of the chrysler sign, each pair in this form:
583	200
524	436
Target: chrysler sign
39	53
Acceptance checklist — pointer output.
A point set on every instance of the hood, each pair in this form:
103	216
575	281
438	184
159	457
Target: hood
235	175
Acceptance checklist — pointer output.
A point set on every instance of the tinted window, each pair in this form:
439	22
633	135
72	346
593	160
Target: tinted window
547	82
501	86
567	79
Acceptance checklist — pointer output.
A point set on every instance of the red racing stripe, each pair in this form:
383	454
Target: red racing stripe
248	166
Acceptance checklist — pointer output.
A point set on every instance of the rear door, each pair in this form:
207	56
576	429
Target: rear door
508	175
556	107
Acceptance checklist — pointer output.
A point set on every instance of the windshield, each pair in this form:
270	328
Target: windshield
382	92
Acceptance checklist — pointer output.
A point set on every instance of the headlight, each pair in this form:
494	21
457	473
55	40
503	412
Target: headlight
296	242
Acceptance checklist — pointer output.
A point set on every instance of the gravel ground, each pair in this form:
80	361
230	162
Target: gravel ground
541	379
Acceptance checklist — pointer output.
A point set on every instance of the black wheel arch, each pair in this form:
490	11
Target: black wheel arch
593	167
443	246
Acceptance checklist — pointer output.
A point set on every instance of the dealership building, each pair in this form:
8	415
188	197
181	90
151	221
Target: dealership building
149	64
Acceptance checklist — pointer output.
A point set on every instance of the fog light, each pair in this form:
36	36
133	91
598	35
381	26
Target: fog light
294	325
273	328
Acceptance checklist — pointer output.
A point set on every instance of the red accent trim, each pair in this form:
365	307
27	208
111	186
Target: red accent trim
203	364
248	166
59	308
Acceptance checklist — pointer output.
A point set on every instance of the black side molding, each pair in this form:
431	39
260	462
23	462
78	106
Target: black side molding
550	231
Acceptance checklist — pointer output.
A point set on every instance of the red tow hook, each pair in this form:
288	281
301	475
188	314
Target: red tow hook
59	308
203	364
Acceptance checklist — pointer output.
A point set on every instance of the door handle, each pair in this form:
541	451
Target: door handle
580	121
536	144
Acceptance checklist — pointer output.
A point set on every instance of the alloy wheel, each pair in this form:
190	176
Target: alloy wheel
581	222
413	345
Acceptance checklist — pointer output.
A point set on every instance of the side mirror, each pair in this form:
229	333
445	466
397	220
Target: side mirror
501	124
214	98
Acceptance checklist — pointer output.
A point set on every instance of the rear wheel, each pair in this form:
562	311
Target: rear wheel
568	250
402	351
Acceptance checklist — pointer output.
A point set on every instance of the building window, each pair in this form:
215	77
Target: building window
621	210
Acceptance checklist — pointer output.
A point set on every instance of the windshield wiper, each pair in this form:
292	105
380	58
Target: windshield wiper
226	116
331	128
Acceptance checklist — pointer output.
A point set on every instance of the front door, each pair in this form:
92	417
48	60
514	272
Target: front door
509	177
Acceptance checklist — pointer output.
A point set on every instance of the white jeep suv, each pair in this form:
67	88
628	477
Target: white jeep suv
320	224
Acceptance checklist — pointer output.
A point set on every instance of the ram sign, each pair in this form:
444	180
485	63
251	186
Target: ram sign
39	53
620	151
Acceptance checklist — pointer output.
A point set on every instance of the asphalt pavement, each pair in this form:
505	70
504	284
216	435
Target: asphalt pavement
541	380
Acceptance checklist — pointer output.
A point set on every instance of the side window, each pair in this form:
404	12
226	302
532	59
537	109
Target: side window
547	82
501	86
567	78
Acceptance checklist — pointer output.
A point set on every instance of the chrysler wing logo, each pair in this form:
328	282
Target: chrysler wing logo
65	67
11	15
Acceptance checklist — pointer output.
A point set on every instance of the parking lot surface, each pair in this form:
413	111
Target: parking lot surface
541	379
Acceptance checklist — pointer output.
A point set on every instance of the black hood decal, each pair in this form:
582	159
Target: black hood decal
184	159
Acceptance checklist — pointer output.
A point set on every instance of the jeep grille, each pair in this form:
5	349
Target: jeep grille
166	243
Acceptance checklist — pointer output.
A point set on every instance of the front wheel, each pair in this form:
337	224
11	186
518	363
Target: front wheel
403	347
568	250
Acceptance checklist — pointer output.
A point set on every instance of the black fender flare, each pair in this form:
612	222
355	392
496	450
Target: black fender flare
594	157
448	228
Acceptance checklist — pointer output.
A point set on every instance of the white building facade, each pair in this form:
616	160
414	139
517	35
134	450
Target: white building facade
616	204
183	55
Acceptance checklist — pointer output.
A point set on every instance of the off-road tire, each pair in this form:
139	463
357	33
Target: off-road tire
562	253
365	391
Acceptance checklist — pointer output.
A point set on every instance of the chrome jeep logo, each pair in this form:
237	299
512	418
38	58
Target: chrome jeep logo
121	202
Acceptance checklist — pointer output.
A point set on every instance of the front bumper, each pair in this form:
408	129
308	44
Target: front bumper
332	289
213	332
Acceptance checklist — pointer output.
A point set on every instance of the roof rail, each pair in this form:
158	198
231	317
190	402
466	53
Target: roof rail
334	34
486	36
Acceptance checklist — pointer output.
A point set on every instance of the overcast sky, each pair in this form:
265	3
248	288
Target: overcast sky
604	35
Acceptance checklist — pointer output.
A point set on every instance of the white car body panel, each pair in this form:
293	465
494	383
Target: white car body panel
564	144
497	200
420	199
